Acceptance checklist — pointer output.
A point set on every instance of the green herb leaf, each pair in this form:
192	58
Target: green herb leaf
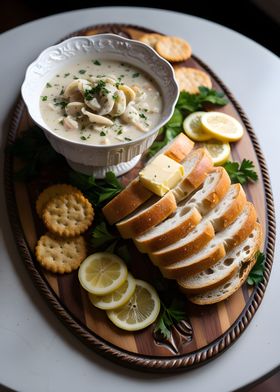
101	236
48	85
135	75
44	97
82	71
35	151
241	173
66	74
169	316
96	62
256	274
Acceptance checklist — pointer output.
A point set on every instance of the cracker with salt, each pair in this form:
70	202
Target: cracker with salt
53	191
60	255
173	48
68	215
150	39
189	79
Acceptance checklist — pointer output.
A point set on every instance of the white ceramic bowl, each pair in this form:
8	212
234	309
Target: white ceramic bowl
97	159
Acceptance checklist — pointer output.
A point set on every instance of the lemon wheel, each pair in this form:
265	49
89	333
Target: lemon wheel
101	273
218	150
117	297
140	311
193	128
221	126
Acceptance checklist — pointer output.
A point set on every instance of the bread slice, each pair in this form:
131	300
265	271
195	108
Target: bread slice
214	188
228	209
188	213
207	256
222	271
185	247
197	167
149	215
229	287
135	194
169	231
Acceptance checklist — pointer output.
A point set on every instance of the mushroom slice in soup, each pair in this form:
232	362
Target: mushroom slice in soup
74	108
93	104
120	103
74	90
131	116
129	93
95	118
107	101
70	123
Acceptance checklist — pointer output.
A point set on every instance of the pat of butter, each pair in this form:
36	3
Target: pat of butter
161	175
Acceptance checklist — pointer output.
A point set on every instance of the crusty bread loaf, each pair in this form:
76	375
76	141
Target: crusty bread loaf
185	247
214	188
149	215
180	261
229	287
188	213
168	232
135	194
197	167
224	269
228	209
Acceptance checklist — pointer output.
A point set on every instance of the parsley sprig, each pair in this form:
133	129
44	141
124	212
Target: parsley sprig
97	191
256	274
169	316
187	103
100	88
241	173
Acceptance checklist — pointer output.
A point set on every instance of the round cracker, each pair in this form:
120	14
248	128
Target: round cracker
173	48
60	255
53	191
189	79
68	215
150	39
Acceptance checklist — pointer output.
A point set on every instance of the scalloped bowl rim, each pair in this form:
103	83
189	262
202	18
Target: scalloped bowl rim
28	74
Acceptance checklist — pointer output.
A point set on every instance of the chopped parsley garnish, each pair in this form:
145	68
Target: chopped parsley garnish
82	71
115	96
241	173
62	104
61	92
83	137
96	62
119	132
99	88
48	85
127	139
66	74
75	77
135	75
102	133
44	97
57	76
142	115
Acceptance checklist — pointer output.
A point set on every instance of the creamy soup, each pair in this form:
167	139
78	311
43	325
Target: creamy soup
101	102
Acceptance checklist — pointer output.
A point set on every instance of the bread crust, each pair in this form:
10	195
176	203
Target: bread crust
170	236
245	269
218	193
135	194
166	257
232	212
207	261
148	218
245	230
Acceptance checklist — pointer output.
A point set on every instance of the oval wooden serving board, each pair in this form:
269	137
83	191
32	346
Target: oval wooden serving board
209	330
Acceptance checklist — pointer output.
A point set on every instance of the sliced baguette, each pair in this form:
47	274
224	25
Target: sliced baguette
135	194
207	256
149	215
214	188
169	231
228	209
188	213
185	247
228	288
197	167
222	271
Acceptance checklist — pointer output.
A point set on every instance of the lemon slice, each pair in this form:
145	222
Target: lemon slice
222	126
218	150
140	311
117	298
193	128
101	273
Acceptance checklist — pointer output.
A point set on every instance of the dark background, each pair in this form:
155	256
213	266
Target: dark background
256	19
